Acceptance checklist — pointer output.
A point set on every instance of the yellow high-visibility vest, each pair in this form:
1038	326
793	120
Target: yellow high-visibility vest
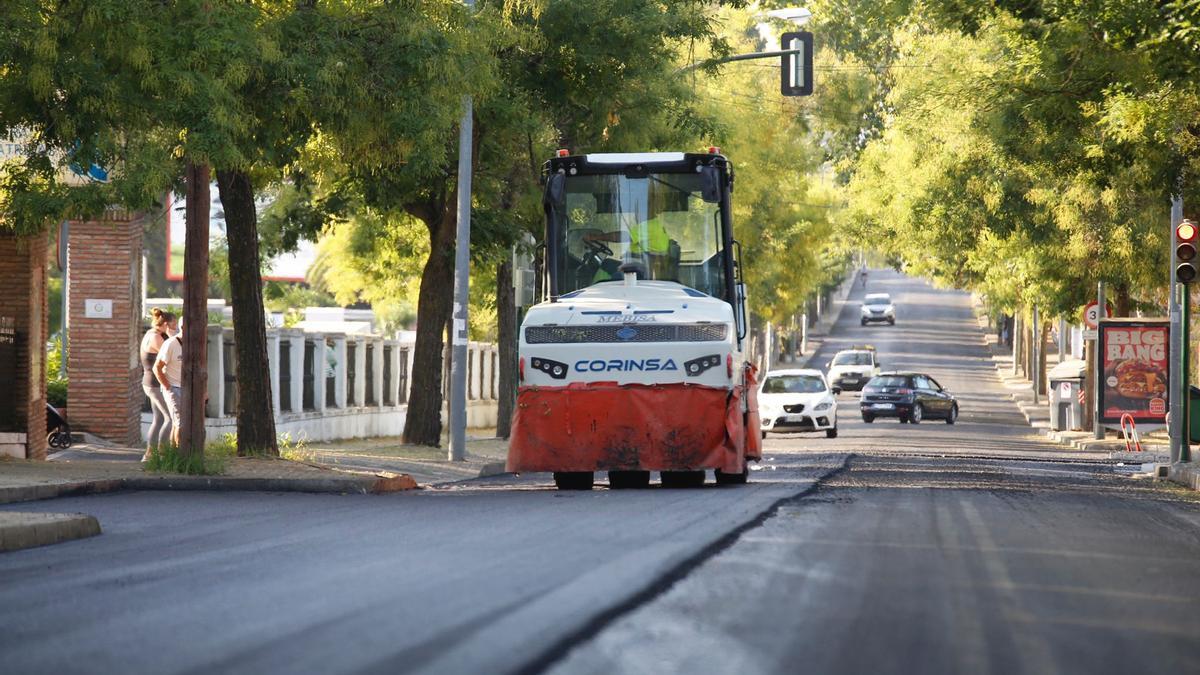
658	241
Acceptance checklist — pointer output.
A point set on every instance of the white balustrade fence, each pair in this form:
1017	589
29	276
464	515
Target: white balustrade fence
329	386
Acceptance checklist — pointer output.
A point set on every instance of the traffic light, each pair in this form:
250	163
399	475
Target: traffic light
796	70
1186	236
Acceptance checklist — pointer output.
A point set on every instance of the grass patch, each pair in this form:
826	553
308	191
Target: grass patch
295	450
168	459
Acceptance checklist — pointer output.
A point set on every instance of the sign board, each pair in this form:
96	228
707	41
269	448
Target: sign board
1064	389
1133	370
1091	314
1089	333
97	309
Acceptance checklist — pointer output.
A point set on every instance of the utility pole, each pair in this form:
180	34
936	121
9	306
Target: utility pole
462	265
1098	380
1175	429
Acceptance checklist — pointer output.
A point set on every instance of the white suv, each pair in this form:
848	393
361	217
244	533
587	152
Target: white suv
878	307
852	368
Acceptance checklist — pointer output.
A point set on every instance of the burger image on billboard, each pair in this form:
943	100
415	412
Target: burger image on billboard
1134	378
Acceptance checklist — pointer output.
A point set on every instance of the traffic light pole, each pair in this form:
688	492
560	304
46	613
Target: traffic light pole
1185	450
1098	430
1176	403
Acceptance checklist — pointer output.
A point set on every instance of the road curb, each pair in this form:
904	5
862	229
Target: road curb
20	530
348	485
1187	475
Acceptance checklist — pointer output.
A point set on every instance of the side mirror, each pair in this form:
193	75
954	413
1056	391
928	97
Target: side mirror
827	364
710	184
555	188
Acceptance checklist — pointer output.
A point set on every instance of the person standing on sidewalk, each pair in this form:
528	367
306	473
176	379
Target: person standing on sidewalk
168	369
163	324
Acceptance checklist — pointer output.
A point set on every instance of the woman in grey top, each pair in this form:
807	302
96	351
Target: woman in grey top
163	325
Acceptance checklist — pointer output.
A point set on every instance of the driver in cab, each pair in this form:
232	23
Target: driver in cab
648	240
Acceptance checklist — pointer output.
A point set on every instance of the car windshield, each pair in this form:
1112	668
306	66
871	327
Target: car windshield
852	359
793	384
659	220
878	299
888	381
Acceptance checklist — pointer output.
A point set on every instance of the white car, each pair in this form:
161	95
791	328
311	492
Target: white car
852	368
797	400
878	307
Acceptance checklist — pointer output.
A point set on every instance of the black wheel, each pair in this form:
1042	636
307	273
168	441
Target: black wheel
52	439
733	478
764	435
862	322
903	420
953	416
628	480
868	418
891	322
682	479
64	437
573	480
917	414
831	433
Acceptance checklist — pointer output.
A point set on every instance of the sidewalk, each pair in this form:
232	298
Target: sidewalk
819	331
1155	444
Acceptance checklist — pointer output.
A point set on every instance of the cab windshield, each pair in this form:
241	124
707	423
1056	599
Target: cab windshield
793	384
659	222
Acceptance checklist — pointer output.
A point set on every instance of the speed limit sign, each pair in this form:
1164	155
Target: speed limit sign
1092	316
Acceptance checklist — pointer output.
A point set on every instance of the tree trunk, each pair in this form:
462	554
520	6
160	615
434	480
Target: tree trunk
506	313
255	412
435	304
1124	303
195	313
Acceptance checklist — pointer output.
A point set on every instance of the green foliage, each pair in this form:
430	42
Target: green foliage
56	385
1027	150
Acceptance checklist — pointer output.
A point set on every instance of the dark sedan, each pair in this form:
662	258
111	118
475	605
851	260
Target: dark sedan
912	397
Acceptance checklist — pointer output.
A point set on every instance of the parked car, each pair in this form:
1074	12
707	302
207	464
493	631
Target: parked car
797	400
912	397
878	307
851	368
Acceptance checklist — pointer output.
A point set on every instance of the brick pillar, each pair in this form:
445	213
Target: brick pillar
23	325
105	295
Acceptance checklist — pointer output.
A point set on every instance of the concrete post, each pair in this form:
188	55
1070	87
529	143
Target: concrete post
318	340
214	338
296	339
339	380
360	372
273	364
394	385
377	370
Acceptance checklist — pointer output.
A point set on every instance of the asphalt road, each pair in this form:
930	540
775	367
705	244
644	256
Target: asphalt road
892	548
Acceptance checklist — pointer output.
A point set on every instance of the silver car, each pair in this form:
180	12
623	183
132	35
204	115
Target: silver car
878	307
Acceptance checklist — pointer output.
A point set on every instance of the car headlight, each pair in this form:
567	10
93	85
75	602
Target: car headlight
864	309
823	406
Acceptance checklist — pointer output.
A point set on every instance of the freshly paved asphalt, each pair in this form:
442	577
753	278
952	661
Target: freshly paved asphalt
934	548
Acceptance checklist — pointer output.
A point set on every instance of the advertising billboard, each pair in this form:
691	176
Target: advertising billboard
1134	375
